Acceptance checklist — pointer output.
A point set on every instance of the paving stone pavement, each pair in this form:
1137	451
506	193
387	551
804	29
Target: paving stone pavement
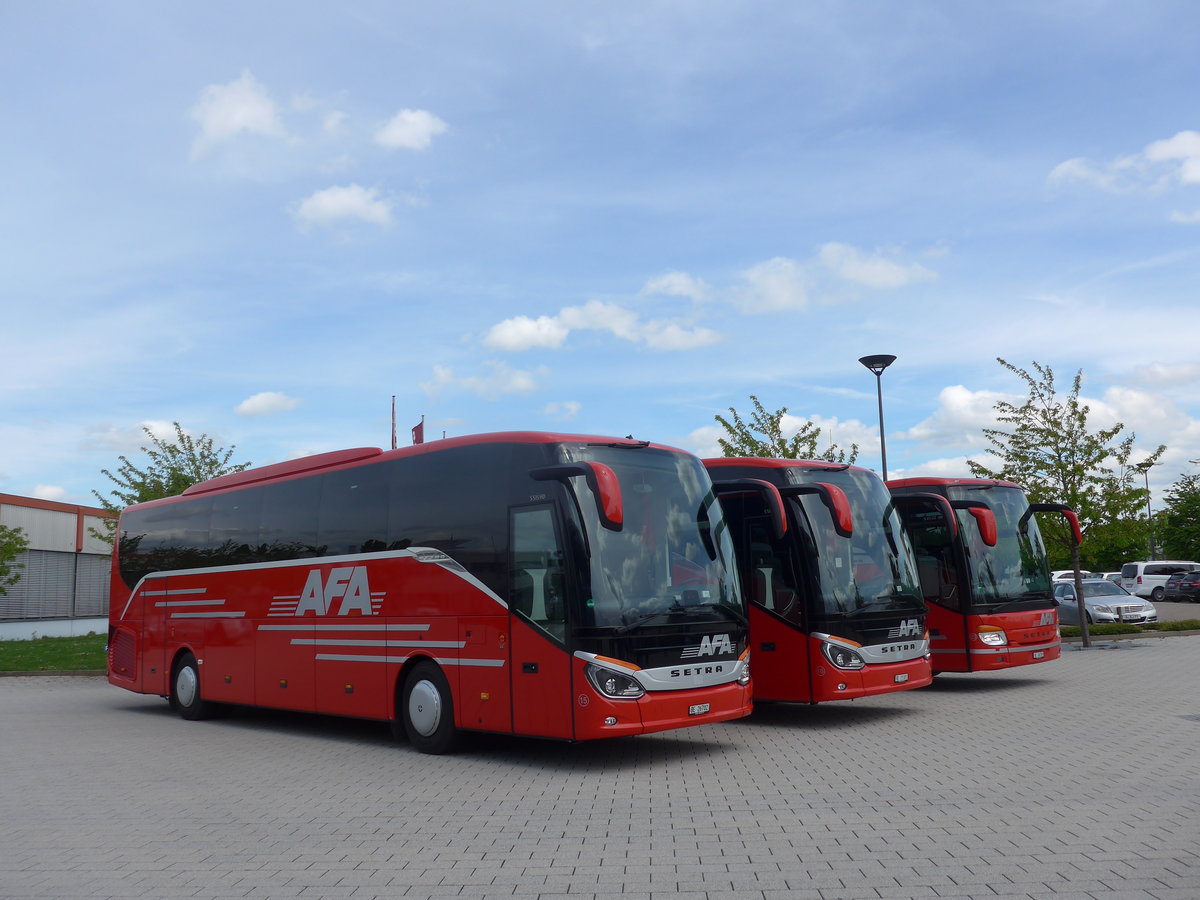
1079	778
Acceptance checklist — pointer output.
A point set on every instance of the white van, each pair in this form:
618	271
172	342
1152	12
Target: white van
1146	579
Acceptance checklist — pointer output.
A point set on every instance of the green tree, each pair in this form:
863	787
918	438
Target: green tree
1054	454
171	467
12	544
763	436
1177	525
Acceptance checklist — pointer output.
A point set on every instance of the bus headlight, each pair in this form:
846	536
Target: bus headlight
842	657
744	678
612	683
992	636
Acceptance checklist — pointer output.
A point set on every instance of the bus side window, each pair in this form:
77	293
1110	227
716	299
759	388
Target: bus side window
537	580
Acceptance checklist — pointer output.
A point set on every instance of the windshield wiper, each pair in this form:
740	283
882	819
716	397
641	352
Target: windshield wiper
648	617
675	609
728	611
889	601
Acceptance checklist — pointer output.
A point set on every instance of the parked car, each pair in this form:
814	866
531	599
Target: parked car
1171	590
1147	579
1103	602
1069	574
1114	577
1189	587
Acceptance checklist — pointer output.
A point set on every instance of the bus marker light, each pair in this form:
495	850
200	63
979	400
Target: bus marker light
841	687
349	689
484	695
611	720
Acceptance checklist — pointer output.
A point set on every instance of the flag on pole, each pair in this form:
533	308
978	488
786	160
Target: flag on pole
418	432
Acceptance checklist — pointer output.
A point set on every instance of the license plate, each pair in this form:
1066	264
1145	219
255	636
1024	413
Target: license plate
699	709
1038	654
900	679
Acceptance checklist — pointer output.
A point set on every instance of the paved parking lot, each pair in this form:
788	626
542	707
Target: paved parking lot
1079	778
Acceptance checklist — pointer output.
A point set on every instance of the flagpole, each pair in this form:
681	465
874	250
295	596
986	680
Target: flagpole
393	421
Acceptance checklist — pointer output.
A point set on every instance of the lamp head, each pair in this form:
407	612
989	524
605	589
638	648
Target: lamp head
878	362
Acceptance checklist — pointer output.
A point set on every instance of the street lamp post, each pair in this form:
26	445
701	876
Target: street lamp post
877	364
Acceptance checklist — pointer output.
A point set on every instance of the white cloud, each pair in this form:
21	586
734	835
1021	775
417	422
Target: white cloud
678	284
771	286
225	111
410	129
1173	159
1182	218
566	409
703	441
960	418
127	439
1183	148
502	379
49	492
266	403
349	202
947	467
1160	374
524	333
871	270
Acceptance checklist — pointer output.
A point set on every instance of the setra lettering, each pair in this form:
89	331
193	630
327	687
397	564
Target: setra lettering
692	671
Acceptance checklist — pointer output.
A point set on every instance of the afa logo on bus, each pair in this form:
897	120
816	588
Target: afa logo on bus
346	583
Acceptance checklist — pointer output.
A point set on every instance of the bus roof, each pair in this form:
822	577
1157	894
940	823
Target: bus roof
336	459
770	463
950	482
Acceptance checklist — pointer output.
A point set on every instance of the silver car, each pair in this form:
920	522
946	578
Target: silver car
1103	602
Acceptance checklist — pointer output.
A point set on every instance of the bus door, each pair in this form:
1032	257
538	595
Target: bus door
780	646
151	598
542	695
947	597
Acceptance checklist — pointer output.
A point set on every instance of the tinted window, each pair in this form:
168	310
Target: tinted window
354	511
538	570
1129	570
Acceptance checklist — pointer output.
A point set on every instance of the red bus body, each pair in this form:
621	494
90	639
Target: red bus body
989	594
473	556
803	621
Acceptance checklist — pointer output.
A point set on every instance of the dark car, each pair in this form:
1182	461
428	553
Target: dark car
1189	587
1171	588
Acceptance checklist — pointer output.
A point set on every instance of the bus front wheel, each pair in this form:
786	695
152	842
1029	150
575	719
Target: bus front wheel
428	710
185	690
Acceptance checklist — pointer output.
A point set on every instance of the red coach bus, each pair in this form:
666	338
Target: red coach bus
553	585
835	601
984	573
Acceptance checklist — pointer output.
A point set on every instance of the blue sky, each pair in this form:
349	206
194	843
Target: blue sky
265	220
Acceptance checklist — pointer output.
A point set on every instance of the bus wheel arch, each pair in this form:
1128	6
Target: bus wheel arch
425	707
186	697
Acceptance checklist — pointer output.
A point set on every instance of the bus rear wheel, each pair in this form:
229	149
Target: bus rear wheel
428	710
185	690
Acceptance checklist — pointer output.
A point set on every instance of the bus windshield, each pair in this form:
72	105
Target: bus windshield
875	568
673	551
1015	569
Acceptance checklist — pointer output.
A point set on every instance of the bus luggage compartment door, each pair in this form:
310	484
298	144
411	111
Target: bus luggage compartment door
542	702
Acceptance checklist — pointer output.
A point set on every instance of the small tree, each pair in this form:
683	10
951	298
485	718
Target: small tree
171	468
12	544
1178	523
1056	457
764	437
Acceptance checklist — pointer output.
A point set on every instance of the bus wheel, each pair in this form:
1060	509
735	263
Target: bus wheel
185	690
427	709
